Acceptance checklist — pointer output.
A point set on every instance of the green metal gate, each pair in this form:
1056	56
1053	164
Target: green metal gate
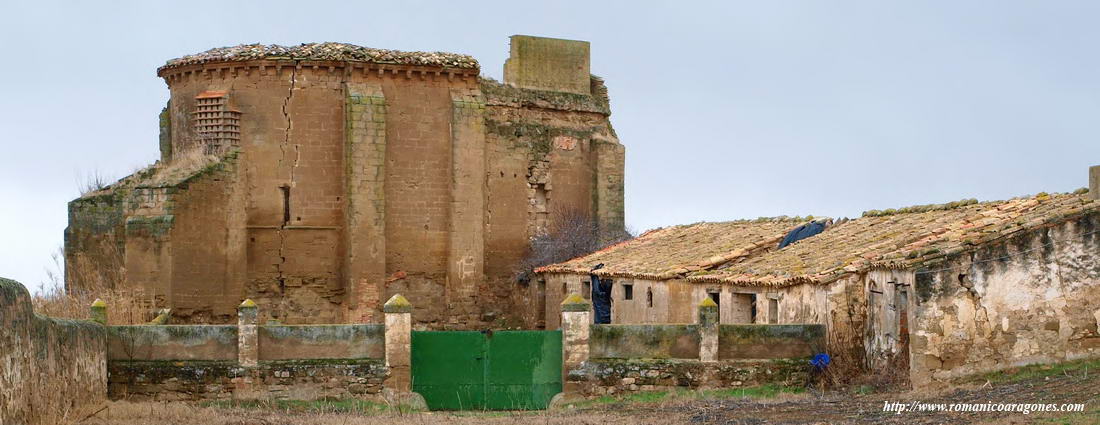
501	370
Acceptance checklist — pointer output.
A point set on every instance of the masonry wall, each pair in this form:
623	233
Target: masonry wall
43	358
1033	298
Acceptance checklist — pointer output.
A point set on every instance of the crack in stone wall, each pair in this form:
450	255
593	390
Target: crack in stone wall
290	185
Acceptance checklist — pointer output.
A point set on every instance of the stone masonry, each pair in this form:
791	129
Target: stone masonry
319	180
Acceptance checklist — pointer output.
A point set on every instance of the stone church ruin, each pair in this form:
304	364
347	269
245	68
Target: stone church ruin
321	179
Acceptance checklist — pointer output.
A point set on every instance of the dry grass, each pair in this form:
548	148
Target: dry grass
129	413
124	307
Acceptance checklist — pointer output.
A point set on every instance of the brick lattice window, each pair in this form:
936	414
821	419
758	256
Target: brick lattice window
216	125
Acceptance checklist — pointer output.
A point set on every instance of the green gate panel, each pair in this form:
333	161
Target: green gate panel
448	369
524	369
501	370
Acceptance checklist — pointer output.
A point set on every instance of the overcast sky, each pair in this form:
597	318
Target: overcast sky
727	110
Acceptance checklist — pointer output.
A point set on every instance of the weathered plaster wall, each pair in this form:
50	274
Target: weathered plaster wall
770	341
890	303
677	301
644	341
172	342
1033	298
42	358
224	380
321	342
612	376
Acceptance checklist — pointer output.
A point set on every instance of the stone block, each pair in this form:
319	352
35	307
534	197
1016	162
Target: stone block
549	64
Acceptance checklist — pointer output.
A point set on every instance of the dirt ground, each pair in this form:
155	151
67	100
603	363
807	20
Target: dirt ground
806	408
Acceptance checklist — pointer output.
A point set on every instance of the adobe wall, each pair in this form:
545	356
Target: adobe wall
1033	298
44	357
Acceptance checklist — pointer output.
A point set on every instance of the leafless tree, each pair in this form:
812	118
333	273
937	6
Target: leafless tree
571	233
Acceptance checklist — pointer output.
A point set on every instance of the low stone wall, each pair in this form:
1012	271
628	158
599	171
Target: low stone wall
224	380
610	376
51	370
172	342
322	342
644	341
770	341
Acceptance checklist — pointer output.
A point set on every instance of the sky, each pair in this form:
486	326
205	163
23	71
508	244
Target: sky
727	109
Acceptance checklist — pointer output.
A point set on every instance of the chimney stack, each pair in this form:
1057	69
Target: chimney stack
1094	182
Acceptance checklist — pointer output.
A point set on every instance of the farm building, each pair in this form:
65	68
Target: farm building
949	289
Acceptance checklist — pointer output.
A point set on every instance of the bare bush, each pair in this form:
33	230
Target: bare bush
570	234
94	181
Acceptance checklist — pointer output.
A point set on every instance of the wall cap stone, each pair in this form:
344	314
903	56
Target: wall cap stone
99	303
574	302
397	304
708	303
248	303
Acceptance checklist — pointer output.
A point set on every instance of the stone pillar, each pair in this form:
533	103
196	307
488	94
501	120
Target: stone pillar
708	330
248	347
575	327
1094	182
398	343
99	311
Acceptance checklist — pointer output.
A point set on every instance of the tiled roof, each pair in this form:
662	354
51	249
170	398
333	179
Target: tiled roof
673	251
907	238
744	252
325	52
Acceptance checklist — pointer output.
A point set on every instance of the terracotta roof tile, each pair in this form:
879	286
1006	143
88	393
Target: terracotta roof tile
743	252
676	250
898	240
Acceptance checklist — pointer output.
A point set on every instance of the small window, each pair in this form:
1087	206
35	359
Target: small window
773	311
715	296
564	288
649	297
628	292
586	290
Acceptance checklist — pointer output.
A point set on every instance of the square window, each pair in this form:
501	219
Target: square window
628	292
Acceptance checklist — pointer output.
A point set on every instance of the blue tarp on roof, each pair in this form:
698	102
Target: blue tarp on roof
802	232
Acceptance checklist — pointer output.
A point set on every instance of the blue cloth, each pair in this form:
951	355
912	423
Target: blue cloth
802	232
820	361
601	299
